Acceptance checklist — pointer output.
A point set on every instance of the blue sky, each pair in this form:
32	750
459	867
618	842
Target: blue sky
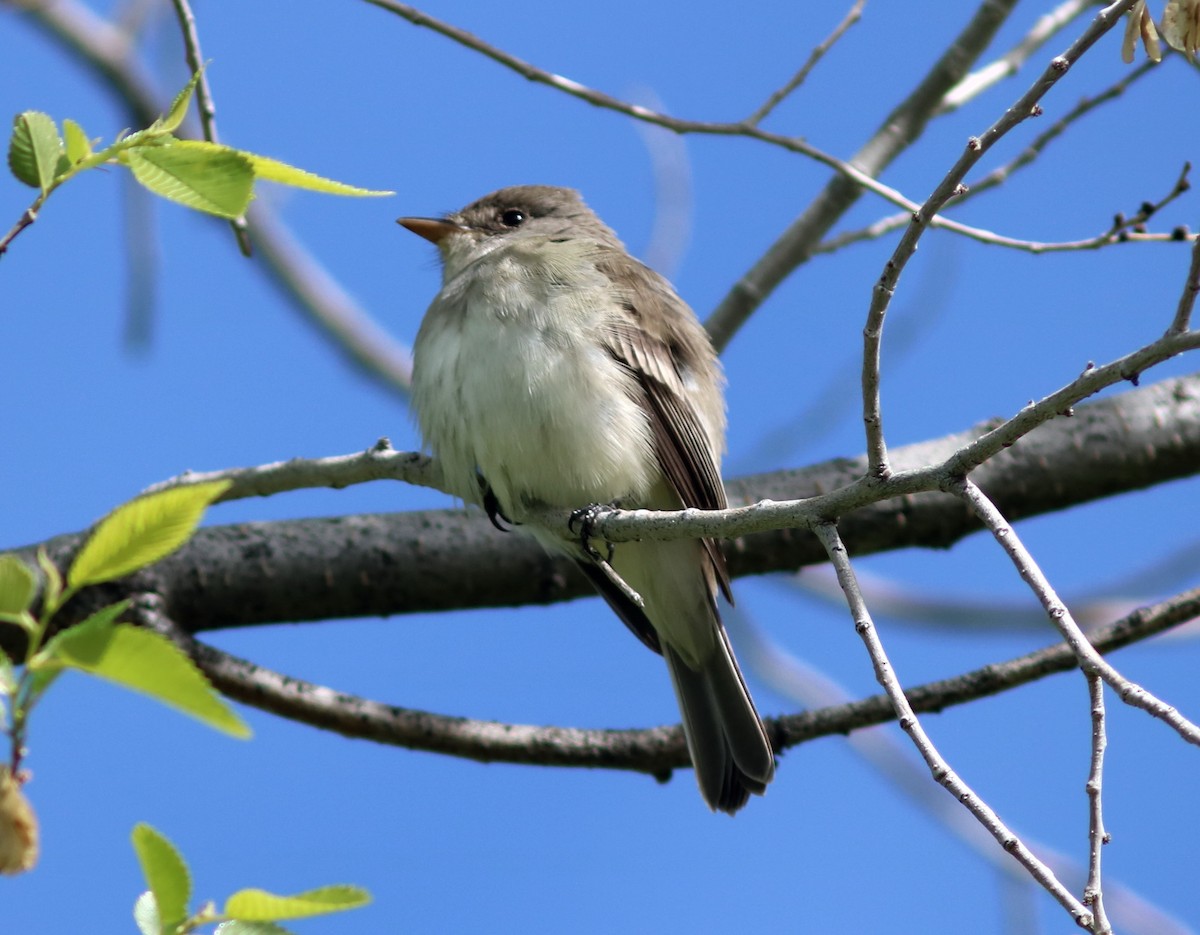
232	375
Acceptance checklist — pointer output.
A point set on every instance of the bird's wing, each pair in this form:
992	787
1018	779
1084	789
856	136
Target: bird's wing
662	344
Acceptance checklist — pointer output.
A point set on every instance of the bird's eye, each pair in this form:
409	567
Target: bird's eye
513	217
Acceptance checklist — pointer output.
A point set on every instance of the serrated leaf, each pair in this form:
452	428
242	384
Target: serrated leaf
259	905
272	170
79	147
171	120
142	531
204	176
239	927
17	585
145	914
145	662
34	149
49	658
166	873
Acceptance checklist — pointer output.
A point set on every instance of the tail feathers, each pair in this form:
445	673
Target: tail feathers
730	751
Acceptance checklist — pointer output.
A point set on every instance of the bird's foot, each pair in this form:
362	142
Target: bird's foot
587	517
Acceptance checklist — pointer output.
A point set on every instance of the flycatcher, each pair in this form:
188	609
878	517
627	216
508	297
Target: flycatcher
554	370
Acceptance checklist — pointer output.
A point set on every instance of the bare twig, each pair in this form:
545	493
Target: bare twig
1187	299
623	525
1093	894
379	462
899	129
950	186
1046	28
907	718
1122	230
1091	381
777	97
1089	660
28	216
798	681
1001	174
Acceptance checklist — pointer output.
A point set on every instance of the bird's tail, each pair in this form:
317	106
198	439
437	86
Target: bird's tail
731	753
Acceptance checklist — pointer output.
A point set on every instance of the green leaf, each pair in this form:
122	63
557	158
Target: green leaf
261	906
17	585
79	147
165	872
239	927
145	662
170	121
50	657
142	531
205	176
34	149
272	170
145	914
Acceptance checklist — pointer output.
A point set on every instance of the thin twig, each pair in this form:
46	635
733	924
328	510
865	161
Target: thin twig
379	462
204	99
907	718
777	97
1001	174
803	684
1123	230
624	525
1089	660
950	186
898	130
1093	893
28	216
1187	299
605	101
1092	380
1047	26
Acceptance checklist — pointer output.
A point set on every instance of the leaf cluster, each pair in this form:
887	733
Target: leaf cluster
202	175
163	908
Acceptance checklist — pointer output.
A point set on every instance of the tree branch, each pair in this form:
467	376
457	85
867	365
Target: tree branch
939	767
656	751
316	569
900	129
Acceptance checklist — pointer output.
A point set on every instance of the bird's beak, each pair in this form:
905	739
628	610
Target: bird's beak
432	229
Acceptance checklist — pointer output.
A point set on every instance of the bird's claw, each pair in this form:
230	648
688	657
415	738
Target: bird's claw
491	506
587	517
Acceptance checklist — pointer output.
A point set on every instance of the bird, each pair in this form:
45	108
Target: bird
553	370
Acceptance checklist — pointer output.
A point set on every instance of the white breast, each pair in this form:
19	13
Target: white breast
511	379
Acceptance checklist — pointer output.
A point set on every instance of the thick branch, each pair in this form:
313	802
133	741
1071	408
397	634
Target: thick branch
317	569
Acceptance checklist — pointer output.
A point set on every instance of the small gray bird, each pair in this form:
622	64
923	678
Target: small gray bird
554	370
